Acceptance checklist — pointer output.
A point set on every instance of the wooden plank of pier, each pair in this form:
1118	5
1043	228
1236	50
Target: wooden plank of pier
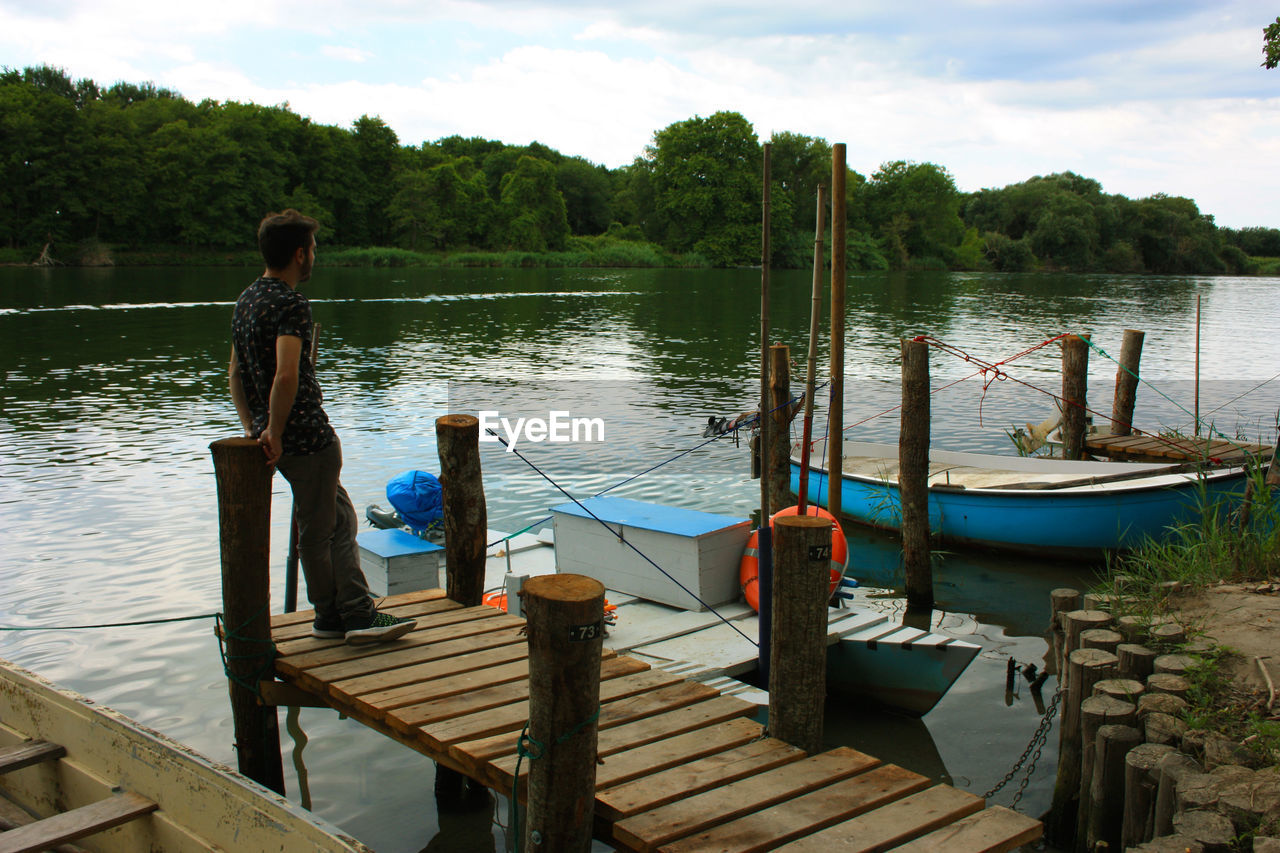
683	768
1157	448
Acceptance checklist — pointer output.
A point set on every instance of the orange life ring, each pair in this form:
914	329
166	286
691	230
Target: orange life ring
749	568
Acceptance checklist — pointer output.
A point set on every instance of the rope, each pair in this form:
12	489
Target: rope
749	423
626	542
268	658
998	374
109	624
522	751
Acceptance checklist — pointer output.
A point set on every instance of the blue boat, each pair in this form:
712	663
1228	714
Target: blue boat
1029	504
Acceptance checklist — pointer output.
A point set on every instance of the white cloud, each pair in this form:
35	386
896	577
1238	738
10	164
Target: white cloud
1158	96
345	54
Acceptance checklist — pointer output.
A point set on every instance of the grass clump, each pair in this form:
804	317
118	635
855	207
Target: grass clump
1233	539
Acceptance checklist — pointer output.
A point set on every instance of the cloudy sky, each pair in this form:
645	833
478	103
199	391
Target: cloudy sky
1145	96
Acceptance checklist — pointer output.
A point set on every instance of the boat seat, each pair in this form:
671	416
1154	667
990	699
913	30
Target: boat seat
52	832
27	753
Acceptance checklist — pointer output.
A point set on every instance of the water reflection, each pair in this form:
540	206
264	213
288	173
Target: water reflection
112	385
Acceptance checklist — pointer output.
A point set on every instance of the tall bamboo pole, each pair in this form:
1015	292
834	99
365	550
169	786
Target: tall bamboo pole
815	315
835	418
1197	391
765	541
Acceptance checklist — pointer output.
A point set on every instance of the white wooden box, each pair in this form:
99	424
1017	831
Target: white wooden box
396	561
701	550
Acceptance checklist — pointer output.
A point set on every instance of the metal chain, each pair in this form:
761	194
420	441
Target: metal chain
1033	749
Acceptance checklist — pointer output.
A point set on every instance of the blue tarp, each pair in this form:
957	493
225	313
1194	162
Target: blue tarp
417	496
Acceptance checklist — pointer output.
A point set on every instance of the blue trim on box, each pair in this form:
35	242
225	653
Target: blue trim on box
648	516
394	543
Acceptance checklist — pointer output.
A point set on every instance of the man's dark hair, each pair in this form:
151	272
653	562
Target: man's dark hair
281	234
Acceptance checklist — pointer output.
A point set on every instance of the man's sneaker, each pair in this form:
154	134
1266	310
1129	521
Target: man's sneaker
378	628
328	628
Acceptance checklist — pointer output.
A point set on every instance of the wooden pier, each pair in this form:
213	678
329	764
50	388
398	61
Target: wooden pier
682	768
1156	448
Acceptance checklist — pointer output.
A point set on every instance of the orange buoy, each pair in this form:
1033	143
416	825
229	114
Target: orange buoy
749	568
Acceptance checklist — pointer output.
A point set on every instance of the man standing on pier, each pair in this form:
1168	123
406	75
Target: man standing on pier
274	388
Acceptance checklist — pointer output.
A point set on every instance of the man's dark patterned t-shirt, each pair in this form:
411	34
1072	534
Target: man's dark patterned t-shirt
267	309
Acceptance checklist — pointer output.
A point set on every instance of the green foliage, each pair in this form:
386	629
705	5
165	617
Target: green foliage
379	257
1224	543
1005	254
971	254
151	174
914	208
532	210
706	188
1271	45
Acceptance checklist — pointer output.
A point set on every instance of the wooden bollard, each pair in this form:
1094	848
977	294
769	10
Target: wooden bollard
1141	780
1061	602
565	615
1158	727
1100	638
778	455
1163	682
1075	370
1172	767
1173	664
244	531
1136	661
1125	689
1075	623
1106	809
913	474
1167	634
1096	712
798	661
1134	628
1085	667
466	520
1126	382
1161	703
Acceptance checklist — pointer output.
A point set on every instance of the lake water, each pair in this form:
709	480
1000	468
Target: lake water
114	384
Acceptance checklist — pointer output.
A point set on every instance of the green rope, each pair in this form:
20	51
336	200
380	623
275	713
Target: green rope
268	658
1213	430
108	624
523	751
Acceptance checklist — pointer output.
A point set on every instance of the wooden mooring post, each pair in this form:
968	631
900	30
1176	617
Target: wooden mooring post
913	475
798	666
244	531
466	524
1075	369
778	455
1126	382
466	519
566	634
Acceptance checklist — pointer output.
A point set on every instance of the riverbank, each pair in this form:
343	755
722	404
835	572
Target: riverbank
600	252
604	251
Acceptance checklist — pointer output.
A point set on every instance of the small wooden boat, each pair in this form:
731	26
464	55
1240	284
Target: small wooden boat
74	771
1030	504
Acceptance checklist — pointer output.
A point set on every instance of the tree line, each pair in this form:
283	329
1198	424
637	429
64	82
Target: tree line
134	166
